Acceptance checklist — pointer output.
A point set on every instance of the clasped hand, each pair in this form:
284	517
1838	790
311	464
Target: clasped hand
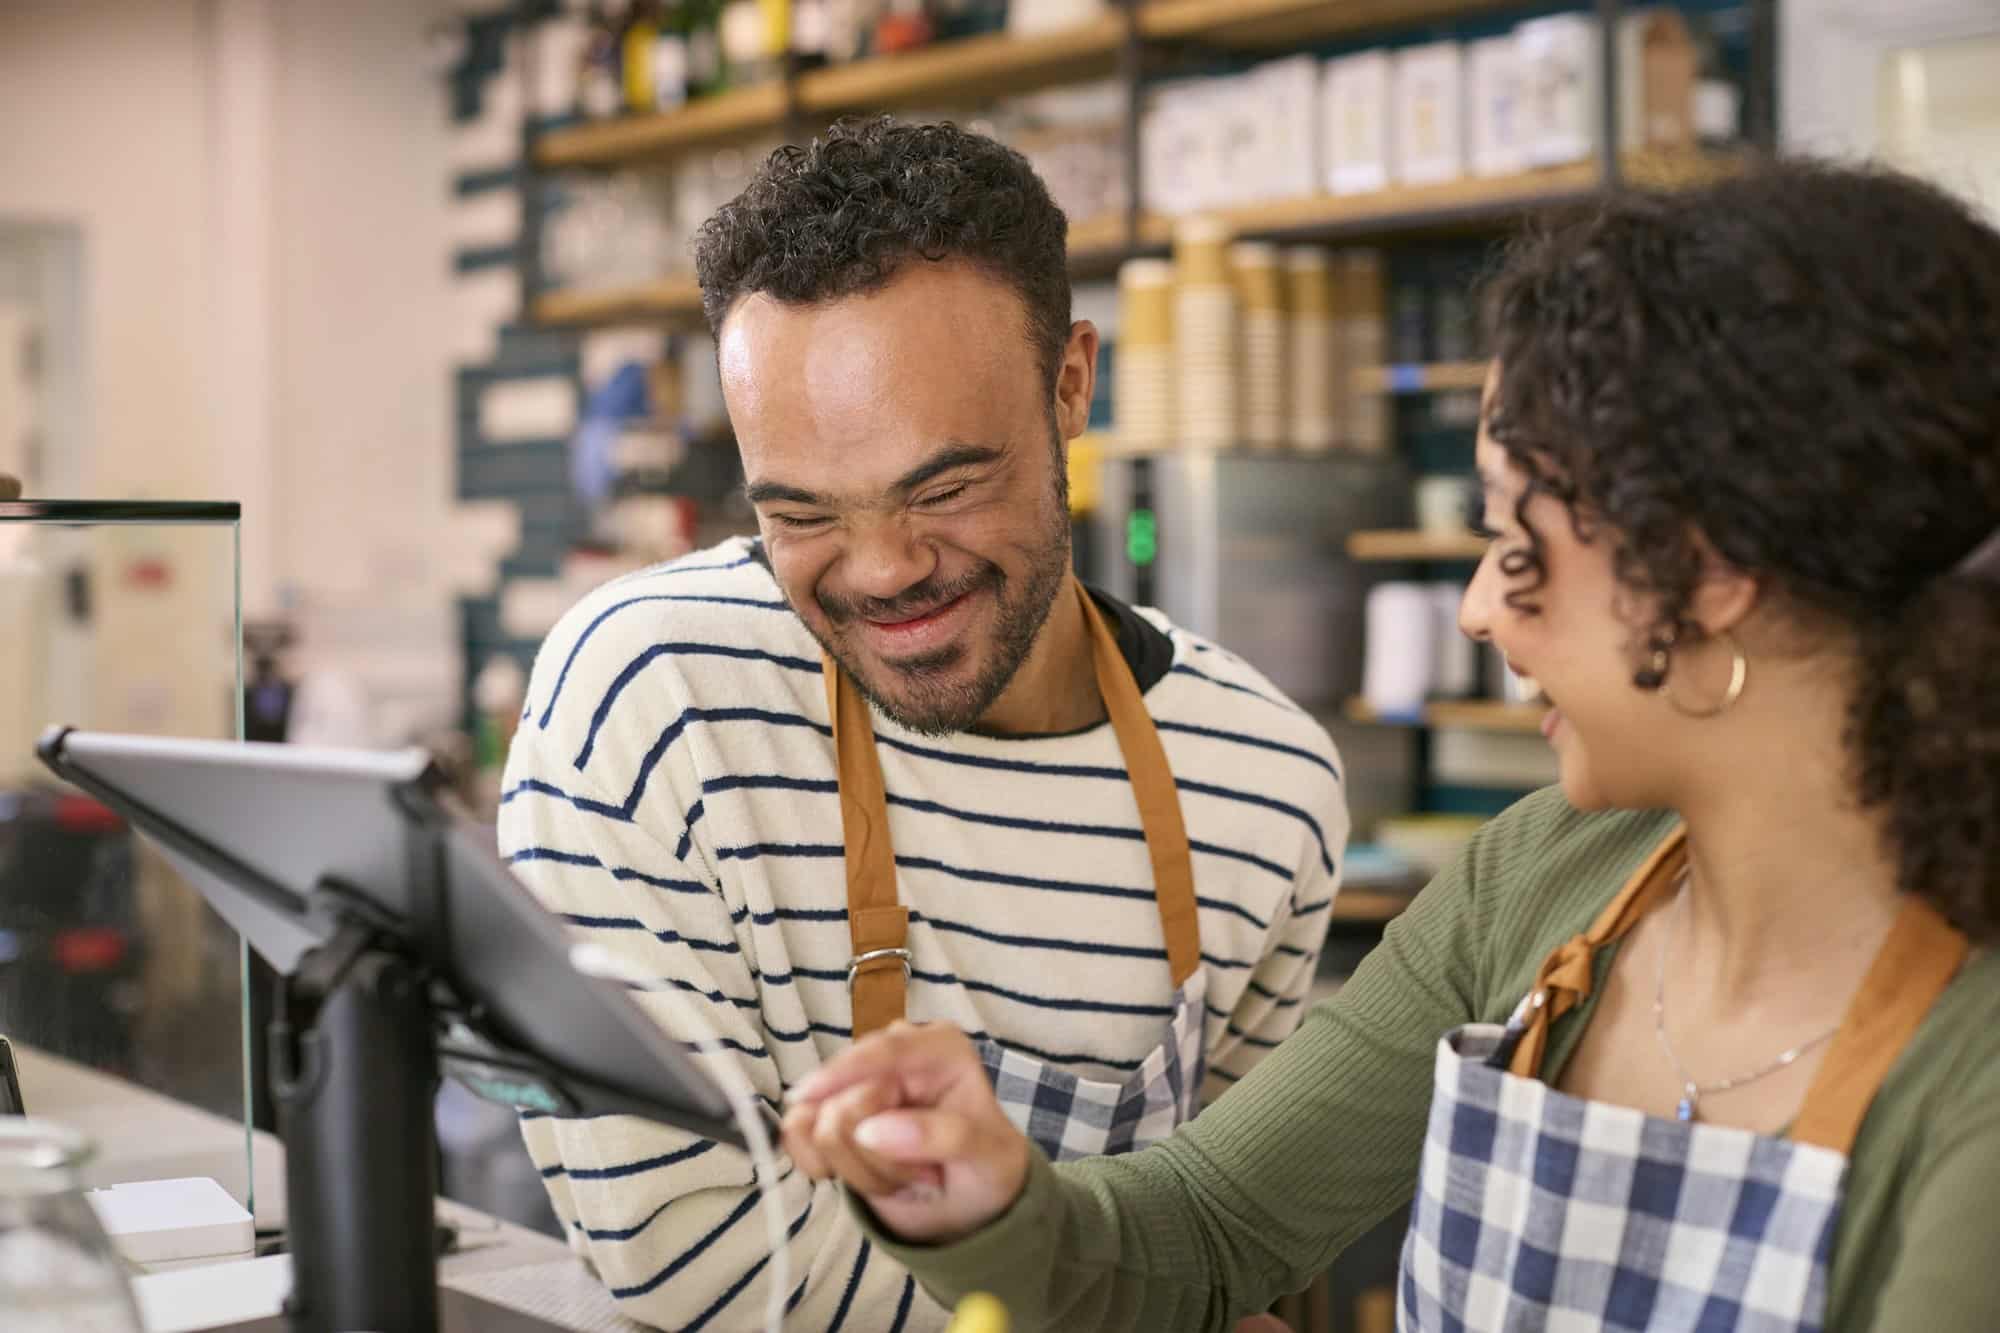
906	1118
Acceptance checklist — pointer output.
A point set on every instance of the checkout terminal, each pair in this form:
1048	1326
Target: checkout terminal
405	949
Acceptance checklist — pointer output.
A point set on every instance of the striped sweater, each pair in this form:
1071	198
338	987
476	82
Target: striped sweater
671	792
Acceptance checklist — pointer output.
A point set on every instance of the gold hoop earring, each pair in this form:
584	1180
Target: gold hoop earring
1739	676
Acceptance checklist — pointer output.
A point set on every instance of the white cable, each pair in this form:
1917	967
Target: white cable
596	961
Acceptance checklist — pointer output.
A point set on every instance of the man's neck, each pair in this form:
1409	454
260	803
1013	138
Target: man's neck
1055	691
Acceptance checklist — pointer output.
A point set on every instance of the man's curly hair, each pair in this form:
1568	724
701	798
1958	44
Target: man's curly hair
869	198
1799	364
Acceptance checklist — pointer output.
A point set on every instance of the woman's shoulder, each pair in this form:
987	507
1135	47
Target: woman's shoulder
1543	851
1539	873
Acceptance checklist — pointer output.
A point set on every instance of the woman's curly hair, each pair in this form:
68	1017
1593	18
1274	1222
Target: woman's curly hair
1801	364
852	210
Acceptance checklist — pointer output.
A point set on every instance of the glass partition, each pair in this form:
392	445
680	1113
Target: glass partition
116	617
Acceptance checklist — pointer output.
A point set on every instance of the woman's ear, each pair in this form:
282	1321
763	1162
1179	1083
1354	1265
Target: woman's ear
1724	596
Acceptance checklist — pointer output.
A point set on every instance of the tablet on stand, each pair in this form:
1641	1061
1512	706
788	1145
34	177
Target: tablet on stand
404	949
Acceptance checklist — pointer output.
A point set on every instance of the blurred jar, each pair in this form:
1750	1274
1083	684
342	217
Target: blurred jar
59	1272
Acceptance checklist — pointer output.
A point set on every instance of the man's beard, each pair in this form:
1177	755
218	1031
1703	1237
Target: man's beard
935	704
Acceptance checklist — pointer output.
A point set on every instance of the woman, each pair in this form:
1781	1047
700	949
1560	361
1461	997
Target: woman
1708	1038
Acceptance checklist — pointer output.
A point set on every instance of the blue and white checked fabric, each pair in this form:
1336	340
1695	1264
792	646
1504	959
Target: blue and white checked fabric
1537	1210
1071	1117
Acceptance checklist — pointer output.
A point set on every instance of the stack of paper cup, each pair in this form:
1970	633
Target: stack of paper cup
1142	387
1260	300
1399	648
1363	301
1204	335
1312	380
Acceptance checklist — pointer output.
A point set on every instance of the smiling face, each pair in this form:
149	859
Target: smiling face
1573	636
904	453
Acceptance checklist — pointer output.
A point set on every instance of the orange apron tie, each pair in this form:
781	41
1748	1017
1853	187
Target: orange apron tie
1915	964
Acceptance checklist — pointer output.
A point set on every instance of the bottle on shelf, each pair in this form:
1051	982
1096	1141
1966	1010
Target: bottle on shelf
708	70
636	55
600	82
670	60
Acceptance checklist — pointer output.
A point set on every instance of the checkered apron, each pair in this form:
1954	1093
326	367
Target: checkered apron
1070	1117
1537	1210
1067	1115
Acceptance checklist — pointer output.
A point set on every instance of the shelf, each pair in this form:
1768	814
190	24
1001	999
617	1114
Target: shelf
1095	245
1421	379
969	70
1469	714
1410	544
673	300
1265	23
1372	906
713	120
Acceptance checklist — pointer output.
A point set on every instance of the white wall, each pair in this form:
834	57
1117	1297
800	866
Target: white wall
262	188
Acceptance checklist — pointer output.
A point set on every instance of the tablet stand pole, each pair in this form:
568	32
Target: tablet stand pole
354	1072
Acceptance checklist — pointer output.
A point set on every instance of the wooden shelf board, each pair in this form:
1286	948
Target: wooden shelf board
675	299
714	120
1470	714
1369	905
993	65
1411	544
1262	23
1421	379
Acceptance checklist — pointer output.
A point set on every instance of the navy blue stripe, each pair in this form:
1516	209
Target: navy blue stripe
1045	1002
1277	1001
1292	951
853	1285
677	649
1310	912
535	786
1223	1074
634	923
1183	669
680	724
1239	738
826	851
728	1044
562	677
737	1288
829	786
686	844
1268	803
629	1169
903	1306
737	1214
589	862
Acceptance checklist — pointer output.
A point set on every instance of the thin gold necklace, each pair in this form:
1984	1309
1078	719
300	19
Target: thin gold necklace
1692	1092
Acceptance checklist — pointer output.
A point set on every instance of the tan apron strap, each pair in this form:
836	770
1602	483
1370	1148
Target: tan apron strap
878	927
1153	785
1567	974
1917	961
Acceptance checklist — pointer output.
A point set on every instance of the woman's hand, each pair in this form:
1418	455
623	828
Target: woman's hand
907	1118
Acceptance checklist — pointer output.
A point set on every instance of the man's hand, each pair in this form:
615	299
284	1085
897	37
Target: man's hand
907	1119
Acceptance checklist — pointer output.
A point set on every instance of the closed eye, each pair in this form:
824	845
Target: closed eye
944	497
800	522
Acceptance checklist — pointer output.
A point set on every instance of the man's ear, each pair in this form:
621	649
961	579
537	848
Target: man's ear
1076	380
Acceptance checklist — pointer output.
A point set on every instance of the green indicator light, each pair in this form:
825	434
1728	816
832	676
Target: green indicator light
1142	537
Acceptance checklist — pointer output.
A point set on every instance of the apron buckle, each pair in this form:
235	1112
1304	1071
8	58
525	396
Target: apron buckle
859	961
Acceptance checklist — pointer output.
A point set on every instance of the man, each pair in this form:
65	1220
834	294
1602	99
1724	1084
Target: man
887	759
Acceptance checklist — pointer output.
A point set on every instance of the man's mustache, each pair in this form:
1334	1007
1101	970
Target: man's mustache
911	602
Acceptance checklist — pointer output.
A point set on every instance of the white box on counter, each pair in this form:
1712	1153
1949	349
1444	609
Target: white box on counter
1358	109
1428	140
